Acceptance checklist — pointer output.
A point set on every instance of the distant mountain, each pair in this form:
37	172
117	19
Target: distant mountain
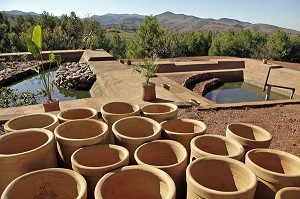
178	22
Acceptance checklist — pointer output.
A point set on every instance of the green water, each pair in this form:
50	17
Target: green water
235	92
33	84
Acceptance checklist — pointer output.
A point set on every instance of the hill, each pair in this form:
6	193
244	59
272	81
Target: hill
177	22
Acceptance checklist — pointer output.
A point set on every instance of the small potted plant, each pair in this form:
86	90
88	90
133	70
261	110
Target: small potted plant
90	40
34	46
148	70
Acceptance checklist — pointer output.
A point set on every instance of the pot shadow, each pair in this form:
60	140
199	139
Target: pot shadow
160	100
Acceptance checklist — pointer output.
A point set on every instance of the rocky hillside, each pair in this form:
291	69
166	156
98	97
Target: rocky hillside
177	22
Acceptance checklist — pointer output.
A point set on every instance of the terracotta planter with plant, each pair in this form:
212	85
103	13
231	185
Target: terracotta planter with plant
114	111
160	111
51	183
183	130
24	151
215	145
219	178
131	132
274	170
167	155
248	135
135	182
75	134
288	193
34	46
93	162
148	70
77	113
36	120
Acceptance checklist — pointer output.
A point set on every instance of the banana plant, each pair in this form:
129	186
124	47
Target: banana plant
34	46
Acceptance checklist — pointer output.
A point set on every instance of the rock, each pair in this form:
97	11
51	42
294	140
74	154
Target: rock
70	85
82	79
83	86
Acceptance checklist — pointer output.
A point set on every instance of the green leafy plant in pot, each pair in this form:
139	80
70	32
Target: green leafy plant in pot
90	40
34	46
148	70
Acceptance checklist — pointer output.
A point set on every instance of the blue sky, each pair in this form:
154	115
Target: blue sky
283	13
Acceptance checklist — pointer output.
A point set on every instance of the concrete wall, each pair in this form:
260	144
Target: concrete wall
256	73
169	67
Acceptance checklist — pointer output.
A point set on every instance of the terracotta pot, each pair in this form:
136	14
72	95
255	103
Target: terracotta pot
37	120
95	161
135	182
148	92
160	111
220	178
288	193
265	61
183	130
274	170
248	135
215	145
114	111
77	113
131	132
167	155
75	134
51	106
24	151
47	184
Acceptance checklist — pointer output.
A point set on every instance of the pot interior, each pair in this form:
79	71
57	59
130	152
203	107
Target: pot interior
212	174
77	114
136	127
31	121
248	132
80	129
46	185
180	126
160	154
94	156
275	162
157	109
216	146
134	184
118	108
22	142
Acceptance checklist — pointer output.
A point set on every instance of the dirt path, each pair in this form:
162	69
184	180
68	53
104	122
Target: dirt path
282	121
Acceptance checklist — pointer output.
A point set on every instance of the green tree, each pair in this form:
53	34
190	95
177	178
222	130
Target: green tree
147	39
117	46
295	49
4	33
279	45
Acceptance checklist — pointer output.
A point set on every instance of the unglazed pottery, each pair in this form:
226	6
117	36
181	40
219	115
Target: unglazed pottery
77	113
160	111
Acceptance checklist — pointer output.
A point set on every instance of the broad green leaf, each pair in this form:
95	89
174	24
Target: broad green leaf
32	47
53	57
37	36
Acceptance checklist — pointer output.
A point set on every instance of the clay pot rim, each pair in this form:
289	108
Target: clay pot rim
62	119
238	146
173	107
163	176
196	185
250	163
78	178
171	142
54	117
117	147
49	134
59	137
195	122
136	108
128	138
282	191
261	130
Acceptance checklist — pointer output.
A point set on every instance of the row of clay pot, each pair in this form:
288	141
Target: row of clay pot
135	127
205	177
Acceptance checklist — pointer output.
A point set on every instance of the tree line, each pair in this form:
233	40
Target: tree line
71	32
